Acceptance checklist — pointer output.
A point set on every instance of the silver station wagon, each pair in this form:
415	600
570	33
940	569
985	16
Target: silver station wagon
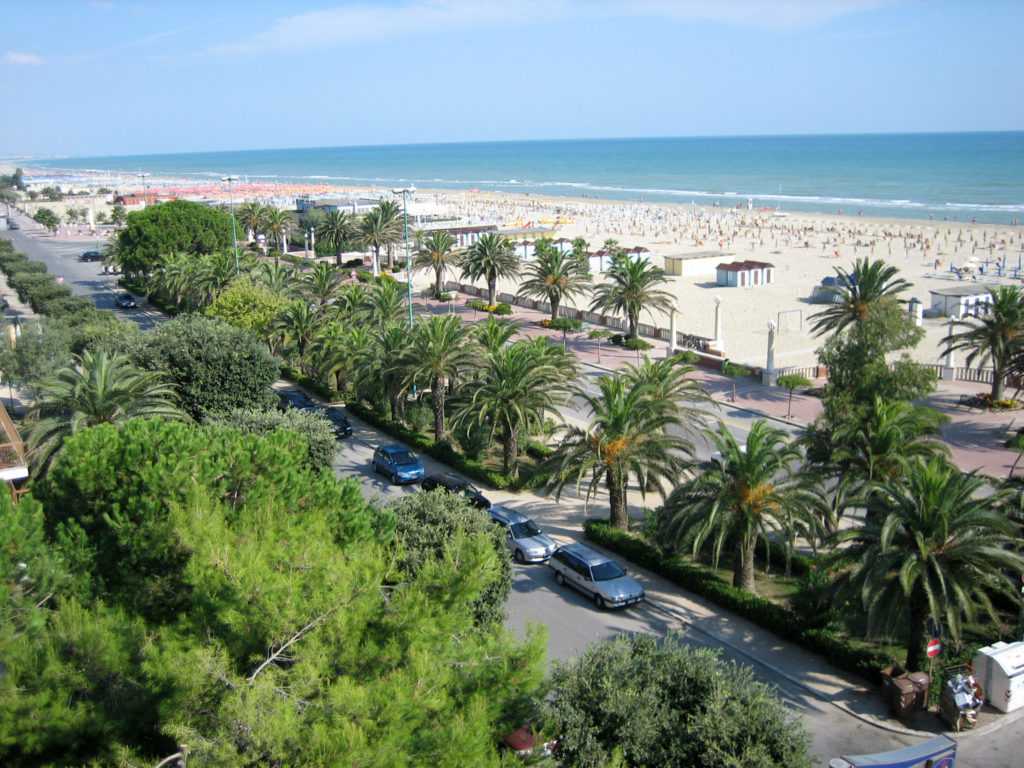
595	575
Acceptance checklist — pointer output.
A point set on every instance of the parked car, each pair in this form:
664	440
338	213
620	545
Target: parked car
398	463
455	484
126	301
91	256
339	423
290	398
595	575
13	225
524	539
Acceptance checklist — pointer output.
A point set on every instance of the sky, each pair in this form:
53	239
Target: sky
87	78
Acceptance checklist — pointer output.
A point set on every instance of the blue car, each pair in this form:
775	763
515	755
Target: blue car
398	463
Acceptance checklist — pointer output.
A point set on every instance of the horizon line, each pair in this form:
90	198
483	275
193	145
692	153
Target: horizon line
12	157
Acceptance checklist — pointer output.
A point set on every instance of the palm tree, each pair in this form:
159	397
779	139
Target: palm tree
493	333
390	365
441	349
437	253
277	277
212	275
996	336
554	276
515	392
669	379
631	287
252	217
385	303
490	257
95	389
377	229
937	546
297	325
856	294
276	223
627	437
746	491
337	229
321	284
392	214
351	298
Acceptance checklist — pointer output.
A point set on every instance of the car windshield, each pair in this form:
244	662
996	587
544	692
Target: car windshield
607	571
403	457
525	530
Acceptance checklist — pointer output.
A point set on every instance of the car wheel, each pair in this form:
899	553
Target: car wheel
599	601
394	479
518	556
559	579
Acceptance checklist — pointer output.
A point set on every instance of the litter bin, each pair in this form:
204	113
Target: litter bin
906	693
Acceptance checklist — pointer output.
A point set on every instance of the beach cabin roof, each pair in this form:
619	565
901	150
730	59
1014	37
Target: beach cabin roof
961	290
742	266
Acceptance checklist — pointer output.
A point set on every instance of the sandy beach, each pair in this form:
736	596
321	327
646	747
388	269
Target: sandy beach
803	247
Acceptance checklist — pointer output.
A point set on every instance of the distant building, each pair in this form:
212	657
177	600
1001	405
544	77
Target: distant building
740	274
142	199
960	300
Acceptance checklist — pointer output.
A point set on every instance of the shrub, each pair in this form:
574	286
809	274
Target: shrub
637	345
564	324
501	308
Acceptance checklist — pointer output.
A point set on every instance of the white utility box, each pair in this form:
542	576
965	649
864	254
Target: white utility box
1000	670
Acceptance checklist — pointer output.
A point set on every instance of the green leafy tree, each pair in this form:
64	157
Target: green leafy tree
995	337
248	305
215	367
554	276
437	252
252	218
47	218
313	427
96	389
490	258
932	547
631	287
337	230
441	349
626	438
431	524
792	381
748	490
516	391
177	226
638	700
32	351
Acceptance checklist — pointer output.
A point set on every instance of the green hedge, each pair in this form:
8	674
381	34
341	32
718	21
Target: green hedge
41	291
444	453
775	618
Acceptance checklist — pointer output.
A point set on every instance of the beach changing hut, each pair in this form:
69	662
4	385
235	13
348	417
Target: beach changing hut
740	274
694	264
960	300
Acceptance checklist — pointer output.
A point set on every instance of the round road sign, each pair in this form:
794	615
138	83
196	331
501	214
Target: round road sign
934	646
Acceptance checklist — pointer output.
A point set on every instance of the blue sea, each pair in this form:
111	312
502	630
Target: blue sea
945	176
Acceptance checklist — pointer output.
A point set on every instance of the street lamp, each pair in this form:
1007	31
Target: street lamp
145	188
231	202
673	307
405	192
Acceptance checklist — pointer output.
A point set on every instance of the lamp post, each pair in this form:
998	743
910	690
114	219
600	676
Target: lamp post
769	373
673	307
949	370
719	341
405	192
145	188
231	202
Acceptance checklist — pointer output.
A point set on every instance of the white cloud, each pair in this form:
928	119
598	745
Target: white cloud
774	13
23	59
363	22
